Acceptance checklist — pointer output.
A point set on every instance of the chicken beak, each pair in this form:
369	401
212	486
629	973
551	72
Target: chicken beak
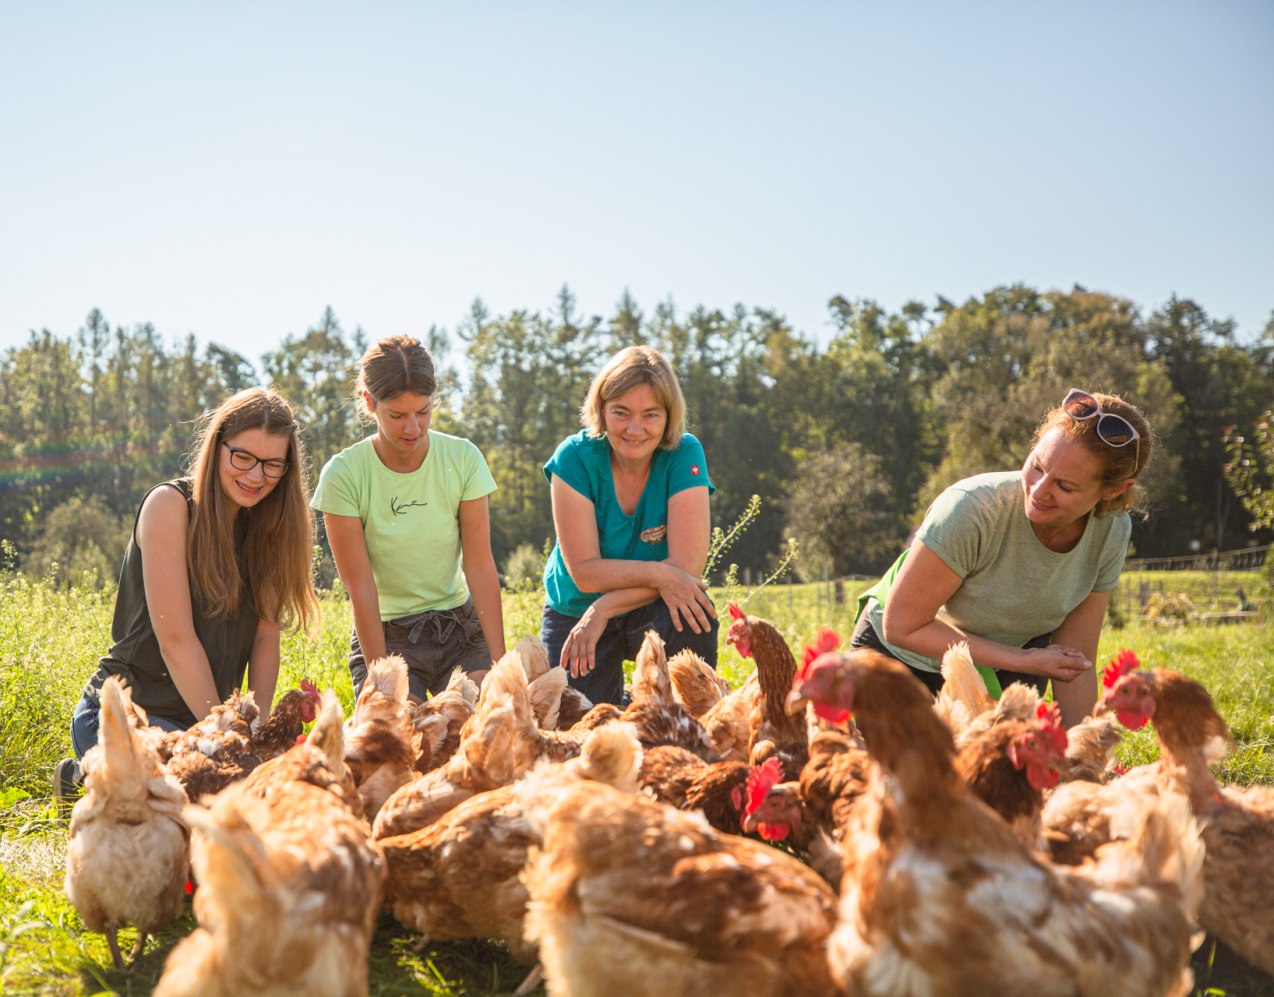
795	701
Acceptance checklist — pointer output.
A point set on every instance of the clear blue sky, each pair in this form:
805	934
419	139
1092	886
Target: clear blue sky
229	169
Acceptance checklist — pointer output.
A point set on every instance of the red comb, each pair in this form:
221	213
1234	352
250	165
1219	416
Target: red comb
308	686
1120	665
826	640
736	613
761	779
1050	717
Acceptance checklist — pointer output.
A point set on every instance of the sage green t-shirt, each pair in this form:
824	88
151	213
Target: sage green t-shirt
410	521
1014	587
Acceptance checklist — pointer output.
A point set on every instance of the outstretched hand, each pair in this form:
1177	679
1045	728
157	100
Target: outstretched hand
1059	662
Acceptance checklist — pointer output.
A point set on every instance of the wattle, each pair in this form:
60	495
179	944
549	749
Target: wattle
773	832
830	713
1131	719
1042	777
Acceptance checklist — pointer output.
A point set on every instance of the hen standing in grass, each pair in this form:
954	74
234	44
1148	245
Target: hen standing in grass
128	854
1238	822
290	882
941	898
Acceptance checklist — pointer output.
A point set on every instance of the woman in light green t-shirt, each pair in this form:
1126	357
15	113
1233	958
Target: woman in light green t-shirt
406	515
1021	565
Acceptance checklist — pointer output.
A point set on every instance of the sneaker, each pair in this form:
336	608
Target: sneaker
68	780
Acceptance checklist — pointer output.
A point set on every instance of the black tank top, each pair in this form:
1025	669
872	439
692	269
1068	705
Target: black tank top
134	652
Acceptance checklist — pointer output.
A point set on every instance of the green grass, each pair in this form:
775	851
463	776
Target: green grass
50	642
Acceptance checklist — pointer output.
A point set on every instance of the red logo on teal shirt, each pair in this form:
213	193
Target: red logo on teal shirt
654	535
694	469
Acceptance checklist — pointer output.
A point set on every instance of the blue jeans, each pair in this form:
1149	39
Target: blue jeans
87	718
620	642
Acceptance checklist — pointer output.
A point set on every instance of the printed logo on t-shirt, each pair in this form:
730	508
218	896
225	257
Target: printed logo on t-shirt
694	469
654	535
400	508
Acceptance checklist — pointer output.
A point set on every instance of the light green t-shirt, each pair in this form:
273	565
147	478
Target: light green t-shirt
410	521
1014	587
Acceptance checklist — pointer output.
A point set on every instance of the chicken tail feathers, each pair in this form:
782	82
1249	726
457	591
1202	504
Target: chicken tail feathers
612	754
226	853
961	682
546	697
651	682
123	753
535	658
327	734
387	676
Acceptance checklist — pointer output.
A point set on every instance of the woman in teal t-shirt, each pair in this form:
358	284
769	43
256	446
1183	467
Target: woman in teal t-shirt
630	507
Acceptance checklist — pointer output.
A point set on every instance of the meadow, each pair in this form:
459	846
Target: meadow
50	640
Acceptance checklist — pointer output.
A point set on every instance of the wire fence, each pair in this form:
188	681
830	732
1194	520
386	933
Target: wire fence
1221	586
1243	559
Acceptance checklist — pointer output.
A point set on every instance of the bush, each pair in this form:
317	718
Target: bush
82	543
1170	609
524	568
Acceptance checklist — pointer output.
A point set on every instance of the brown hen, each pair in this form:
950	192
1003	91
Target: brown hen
459	877
289	880
629	896
1238	822
941	897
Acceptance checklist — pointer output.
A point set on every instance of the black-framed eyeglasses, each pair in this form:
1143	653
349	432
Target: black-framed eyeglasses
1112	429
244	460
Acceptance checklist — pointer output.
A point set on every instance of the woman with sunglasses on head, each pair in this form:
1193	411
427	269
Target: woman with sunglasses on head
218	562
406	514
1021	564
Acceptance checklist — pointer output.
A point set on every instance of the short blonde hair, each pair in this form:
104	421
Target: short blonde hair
1117	463
630	368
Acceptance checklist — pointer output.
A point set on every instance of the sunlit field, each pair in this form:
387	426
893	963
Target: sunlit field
50	641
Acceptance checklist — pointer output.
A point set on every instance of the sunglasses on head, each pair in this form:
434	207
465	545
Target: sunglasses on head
1113	430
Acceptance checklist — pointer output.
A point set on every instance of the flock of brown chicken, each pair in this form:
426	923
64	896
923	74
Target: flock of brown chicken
827	828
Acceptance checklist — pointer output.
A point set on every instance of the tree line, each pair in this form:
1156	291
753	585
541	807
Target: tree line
845	442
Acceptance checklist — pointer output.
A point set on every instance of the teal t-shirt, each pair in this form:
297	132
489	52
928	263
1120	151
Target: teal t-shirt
1014	587
410	521
583	462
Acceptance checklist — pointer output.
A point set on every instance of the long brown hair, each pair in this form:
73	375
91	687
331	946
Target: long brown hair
279	532
1117	463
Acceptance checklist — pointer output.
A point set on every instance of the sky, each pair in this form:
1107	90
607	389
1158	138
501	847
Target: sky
232	169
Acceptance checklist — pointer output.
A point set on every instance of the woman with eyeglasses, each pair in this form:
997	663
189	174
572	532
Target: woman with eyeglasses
406	514
1021	563
217	564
